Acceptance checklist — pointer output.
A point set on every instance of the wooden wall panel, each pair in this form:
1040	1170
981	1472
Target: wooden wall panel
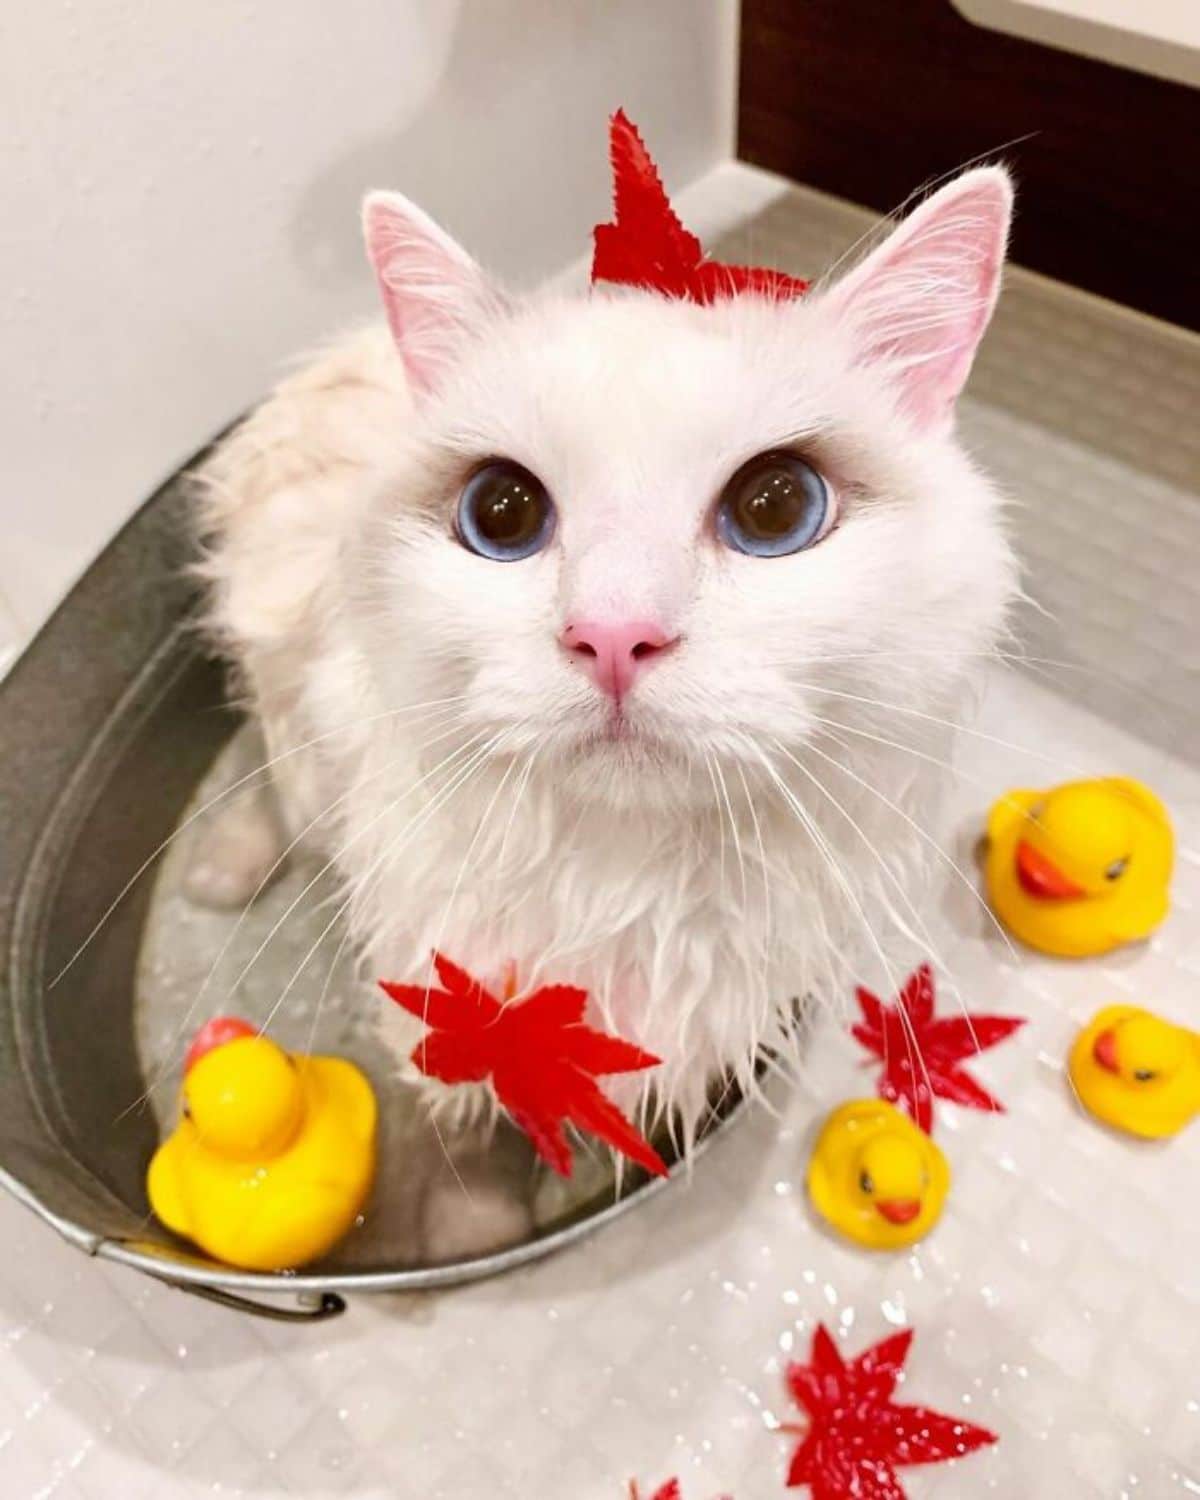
869	98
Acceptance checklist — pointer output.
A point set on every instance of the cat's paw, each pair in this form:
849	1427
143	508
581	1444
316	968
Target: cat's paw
235	856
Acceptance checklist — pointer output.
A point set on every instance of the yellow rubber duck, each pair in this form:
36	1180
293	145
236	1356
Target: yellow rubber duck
1081	868
273	1156
1137	1072
877	1177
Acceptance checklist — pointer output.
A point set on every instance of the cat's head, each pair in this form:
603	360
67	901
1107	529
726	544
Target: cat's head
640	532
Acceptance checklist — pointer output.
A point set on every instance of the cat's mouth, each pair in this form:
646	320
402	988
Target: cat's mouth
618	729
626	736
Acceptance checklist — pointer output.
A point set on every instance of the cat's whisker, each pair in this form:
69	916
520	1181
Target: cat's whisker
708	764
437	943
170	1054
927	839
382	932
733	828
183	1026
518	798
1042	667
339	854
325	987
926	755
518	794
460	775
1015	954
440	799
291	847
462	870
817	837
925	717
883	227
239	785
923	834
894	879
809	824
380	866
936	653
766	874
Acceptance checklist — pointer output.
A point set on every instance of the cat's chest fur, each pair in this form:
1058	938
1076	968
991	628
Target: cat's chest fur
667	931
753	512
693	928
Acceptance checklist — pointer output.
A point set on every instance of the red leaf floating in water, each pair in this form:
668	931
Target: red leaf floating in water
648	247
921	1052
542	1060
857	1436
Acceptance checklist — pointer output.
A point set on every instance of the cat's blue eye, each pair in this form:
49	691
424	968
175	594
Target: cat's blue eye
774	505
504	512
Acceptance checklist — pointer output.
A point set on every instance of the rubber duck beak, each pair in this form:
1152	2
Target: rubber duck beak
900	1210
1041	878
1104	1050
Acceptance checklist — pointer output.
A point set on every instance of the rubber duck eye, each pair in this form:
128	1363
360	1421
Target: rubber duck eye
186	1110
1036	811
1144	1075
774	505
865	1182
1116	869
504	512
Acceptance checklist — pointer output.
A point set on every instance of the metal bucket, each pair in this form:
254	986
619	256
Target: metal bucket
108	722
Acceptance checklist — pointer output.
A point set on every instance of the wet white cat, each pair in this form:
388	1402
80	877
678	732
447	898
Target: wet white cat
618	626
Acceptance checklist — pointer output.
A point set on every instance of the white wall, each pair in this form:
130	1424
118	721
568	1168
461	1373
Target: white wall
180	189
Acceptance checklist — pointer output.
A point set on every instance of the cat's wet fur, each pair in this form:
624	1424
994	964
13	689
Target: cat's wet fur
476	791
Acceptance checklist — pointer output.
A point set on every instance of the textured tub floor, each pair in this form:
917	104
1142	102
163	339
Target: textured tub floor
1057	1302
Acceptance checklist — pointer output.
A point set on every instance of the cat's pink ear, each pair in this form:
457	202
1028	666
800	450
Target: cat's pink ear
433	292
920	303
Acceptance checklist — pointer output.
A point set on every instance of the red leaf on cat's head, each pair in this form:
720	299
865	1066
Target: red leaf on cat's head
646	245
541	1060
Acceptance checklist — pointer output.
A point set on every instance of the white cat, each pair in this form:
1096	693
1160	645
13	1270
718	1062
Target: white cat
598	615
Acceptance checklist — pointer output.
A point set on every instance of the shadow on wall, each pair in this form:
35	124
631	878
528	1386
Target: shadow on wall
473	106
324	232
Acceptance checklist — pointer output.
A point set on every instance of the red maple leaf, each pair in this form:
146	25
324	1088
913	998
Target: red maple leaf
921	1052
542	1060
857	1436
668	1491
648	247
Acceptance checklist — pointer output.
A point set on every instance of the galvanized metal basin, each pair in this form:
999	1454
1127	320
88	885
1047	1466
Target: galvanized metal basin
108	722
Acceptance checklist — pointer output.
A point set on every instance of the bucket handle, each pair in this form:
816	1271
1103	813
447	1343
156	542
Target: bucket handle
309	1308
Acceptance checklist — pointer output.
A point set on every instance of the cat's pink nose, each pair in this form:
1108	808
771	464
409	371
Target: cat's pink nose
612	654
